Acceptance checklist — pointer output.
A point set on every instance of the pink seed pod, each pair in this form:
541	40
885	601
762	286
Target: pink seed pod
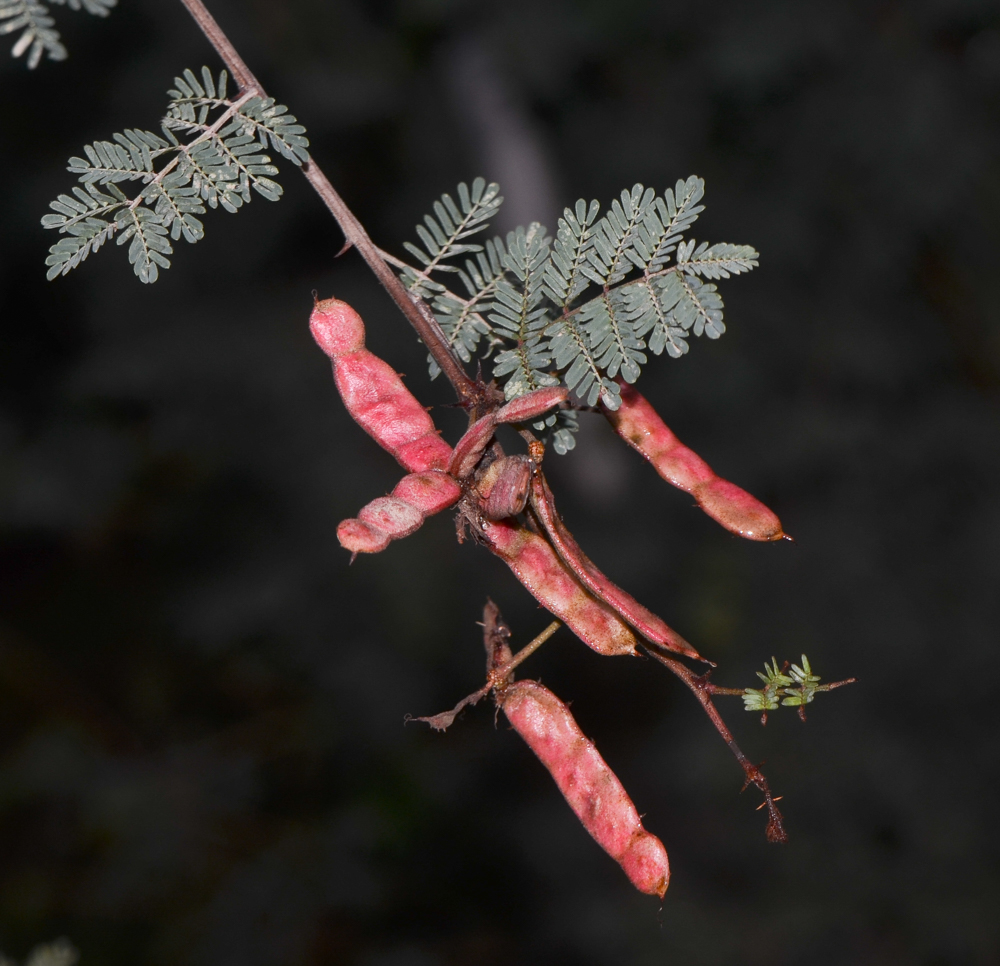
470	448
415	497
430	492
531	404
504	487
647	623
638	423
550	582
373	392
359	537
589	786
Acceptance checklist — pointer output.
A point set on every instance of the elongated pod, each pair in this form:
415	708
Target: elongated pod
551	583
638	423
589	786
415	497
373	392
643	620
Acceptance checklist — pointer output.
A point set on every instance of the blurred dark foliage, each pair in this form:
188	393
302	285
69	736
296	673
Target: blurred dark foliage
203	758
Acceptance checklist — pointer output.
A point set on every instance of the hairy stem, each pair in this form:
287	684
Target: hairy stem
413	307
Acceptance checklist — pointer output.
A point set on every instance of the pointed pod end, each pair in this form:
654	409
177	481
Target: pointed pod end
359	537
738	511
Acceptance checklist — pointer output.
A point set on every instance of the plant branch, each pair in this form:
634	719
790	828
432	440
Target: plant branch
417	312
703	692
223	46
444	720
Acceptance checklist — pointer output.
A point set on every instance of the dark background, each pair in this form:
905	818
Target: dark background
202	754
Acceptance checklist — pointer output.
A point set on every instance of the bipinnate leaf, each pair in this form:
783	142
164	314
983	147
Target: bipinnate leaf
527	303
220	164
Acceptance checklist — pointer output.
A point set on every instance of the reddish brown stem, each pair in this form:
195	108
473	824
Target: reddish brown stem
702	690
417	313
500	665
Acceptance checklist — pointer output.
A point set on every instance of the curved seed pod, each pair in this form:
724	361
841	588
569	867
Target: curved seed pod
504	487
373	392
589	786
531	404
387	518
550	582
638	423
470	448
644	621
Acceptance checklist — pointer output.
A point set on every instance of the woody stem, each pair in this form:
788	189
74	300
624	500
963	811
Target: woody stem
417	312
702	690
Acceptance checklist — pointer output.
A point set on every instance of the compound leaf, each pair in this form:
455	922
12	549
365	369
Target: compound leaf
716	261
150	246
699	309
443	232
564	278
608	261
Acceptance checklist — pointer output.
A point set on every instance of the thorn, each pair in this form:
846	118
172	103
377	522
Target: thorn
785	536
763	804
348	245
353	555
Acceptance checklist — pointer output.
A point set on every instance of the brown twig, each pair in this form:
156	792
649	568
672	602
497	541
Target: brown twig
497	676
703	692
417	311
